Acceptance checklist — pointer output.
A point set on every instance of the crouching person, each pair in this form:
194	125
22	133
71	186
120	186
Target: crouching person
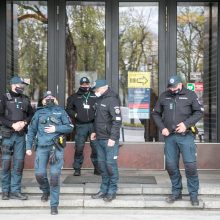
46	133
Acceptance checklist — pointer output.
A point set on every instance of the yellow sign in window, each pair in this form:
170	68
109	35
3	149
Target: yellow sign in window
139	79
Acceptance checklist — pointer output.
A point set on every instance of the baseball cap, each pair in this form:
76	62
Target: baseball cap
17	80
47	93
84	80
173	81
99	83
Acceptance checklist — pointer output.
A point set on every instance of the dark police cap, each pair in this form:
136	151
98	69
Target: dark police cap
84	80
47	93
17	80
99	83
173	81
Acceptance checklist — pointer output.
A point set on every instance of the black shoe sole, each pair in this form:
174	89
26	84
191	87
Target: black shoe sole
54	213
16	198
172	201
109	200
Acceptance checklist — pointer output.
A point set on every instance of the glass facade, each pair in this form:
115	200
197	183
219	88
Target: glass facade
27	34
140	36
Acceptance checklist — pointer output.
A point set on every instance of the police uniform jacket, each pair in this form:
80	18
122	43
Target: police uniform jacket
108	116
43	117
15	107
172	109
80	106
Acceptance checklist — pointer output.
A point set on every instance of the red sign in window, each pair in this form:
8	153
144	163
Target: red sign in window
199	87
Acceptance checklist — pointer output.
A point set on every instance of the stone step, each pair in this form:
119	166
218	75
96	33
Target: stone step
125	189
80	201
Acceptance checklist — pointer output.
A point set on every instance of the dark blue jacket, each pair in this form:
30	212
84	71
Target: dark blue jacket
172	109
75	107
108	118
44	117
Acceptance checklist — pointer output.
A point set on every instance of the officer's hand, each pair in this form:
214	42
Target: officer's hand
93	136
165	132
22	124
111	143
50	129
181	128
29	152
16	126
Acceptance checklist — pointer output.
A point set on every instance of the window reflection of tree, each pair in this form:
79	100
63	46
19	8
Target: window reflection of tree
85	36
83	48
190	40
30	45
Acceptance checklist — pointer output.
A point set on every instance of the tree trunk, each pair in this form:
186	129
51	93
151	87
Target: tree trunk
71	61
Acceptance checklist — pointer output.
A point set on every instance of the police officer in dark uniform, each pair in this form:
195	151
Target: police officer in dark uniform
46	131
15	114
176	111
80	107
107	133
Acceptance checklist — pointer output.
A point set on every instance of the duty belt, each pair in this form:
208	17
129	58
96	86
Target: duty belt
182	133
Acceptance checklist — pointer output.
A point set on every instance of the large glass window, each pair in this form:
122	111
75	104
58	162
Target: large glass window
197	59
27	31
138	69
85	42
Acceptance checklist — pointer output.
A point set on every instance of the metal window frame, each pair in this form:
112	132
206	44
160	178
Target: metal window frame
3	46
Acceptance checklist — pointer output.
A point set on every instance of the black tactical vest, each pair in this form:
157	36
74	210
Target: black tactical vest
16	108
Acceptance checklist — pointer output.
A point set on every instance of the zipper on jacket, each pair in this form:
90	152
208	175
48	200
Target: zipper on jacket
174	111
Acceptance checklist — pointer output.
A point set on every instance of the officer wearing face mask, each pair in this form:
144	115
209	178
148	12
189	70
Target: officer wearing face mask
106	132
80	107
46	132
175	112
15	114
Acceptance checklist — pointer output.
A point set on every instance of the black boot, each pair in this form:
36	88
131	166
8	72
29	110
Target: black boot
109	197
96	172
194	201
18	196
5	195
54	210
77	173
172	198
44	197
99	195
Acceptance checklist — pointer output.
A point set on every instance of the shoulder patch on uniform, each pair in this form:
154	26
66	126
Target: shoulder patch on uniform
117	110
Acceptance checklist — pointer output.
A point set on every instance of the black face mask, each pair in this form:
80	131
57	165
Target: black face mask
84	89
50	102
19	90
175	92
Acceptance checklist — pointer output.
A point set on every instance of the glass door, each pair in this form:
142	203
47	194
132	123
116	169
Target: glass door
138	69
